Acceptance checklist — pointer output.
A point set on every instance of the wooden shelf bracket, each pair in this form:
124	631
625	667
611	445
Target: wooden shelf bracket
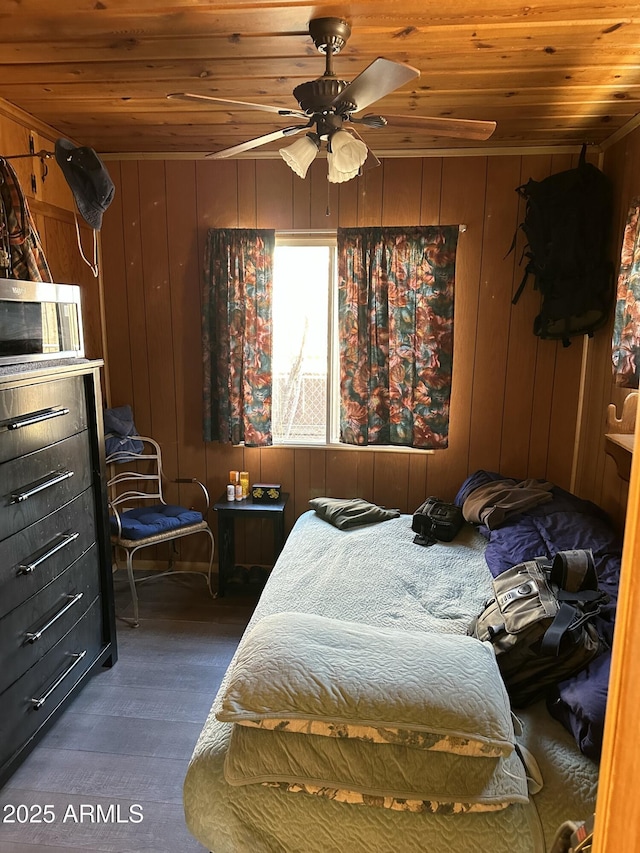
619	438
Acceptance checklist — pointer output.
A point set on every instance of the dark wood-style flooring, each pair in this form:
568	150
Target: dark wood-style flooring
127	738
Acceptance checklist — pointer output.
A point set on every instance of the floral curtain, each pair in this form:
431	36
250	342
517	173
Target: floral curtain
626	331
395	315
236	332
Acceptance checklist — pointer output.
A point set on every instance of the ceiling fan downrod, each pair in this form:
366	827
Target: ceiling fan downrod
329	36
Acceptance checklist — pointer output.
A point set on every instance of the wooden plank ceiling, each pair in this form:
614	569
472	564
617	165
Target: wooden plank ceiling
556	72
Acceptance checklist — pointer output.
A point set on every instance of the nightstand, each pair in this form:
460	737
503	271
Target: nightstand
228	512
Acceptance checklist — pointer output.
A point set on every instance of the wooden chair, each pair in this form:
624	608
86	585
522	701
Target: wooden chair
140	516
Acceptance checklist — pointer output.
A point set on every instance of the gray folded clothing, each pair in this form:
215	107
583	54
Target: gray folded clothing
350	512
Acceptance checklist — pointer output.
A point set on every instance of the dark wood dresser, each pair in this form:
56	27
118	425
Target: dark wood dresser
57	621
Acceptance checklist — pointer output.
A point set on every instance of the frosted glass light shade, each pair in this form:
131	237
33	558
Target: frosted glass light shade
337	177
346	156
300	154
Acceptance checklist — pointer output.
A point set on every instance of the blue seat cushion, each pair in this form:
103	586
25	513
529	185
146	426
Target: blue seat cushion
142	522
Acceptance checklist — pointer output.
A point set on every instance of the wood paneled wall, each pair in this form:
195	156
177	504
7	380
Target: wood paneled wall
51	205
598	477
618	813
514	400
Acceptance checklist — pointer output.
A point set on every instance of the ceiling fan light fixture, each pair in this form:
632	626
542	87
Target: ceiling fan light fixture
301	154
345	156
335	177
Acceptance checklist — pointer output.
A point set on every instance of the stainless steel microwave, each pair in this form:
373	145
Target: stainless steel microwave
39	320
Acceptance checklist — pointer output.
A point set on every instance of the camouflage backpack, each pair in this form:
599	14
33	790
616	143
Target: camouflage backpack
540	622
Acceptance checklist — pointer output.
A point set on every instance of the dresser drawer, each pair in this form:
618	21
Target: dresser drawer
34	416
27	703
29	631
33	557
37	484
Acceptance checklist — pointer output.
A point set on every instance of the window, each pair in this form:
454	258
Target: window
383	297
304	341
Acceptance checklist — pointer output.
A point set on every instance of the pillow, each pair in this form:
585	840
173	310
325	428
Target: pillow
346	513
302	673
371	774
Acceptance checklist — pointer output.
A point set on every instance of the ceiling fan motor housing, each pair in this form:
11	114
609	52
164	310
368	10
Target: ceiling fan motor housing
317	95
329	34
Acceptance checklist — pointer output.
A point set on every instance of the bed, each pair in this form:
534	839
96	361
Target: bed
376	577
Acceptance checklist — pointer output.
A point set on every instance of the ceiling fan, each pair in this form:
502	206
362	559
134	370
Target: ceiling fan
329	104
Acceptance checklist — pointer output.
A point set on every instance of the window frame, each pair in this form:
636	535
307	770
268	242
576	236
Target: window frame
332	415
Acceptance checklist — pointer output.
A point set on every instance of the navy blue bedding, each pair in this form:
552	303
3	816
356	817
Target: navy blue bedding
565	523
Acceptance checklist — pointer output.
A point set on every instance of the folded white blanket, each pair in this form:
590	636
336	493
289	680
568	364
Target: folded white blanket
312	674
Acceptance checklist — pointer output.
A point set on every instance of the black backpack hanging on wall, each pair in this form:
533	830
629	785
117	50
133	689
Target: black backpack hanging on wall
567	222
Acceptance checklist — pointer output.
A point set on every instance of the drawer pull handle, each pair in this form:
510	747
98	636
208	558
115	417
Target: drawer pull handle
40	485
39	557
36	418
32	636
38	703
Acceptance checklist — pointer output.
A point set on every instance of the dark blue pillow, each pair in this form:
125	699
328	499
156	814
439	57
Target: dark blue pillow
141	522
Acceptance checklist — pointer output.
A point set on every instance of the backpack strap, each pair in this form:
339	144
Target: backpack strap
518	292
569	616
574	570
522	191
583	155
562	621
575	581
585	596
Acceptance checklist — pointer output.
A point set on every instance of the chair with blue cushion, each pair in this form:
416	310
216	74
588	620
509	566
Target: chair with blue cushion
140	516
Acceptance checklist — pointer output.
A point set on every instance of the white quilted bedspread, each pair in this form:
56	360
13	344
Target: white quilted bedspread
376	575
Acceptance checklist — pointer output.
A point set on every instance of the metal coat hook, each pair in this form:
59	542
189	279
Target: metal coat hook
42	155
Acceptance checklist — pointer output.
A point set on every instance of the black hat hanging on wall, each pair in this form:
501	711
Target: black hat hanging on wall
88	178
91	185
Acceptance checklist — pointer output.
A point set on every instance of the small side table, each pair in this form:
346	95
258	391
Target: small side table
228	511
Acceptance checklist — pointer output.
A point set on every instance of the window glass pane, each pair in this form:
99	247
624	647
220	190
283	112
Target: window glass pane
300	349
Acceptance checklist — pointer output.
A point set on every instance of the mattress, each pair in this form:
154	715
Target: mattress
376	575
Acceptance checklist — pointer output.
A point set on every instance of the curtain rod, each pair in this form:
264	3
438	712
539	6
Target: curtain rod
327	232
316	232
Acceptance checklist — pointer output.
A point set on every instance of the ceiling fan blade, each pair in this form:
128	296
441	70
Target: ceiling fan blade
377	80
188	96
459	128
259	140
